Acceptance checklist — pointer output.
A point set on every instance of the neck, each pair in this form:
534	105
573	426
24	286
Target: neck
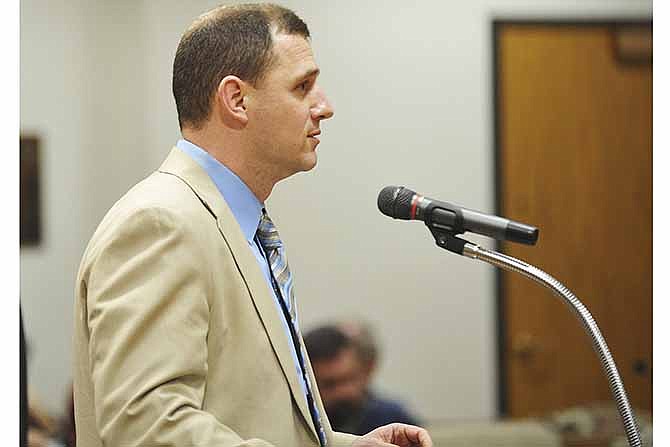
228	149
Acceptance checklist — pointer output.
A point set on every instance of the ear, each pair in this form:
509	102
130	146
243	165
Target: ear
231	102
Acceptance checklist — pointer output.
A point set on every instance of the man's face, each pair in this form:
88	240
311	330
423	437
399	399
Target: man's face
341	380
286	108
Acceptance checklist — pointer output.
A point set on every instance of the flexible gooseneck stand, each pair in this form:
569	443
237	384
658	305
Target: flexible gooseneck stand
449	241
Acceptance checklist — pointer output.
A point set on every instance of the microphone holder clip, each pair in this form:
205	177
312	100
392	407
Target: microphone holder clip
448	241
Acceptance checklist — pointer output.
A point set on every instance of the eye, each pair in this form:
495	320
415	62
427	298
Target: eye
305	85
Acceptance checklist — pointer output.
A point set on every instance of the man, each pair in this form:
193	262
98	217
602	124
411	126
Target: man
185	331
343	363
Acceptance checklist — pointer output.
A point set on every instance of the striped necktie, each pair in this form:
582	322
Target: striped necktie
268	236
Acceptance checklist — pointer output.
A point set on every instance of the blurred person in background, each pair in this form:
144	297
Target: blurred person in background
42	431
23	386
37	427
344	357
66	431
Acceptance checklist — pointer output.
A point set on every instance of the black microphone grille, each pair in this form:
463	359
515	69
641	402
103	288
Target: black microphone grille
395	201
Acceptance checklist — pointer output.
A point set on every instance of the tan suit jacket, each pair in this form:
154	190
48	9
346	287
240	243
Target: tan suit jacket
178	340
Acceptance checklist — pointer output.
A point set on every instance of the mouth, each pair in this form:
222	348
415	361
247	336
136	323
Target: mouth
314	135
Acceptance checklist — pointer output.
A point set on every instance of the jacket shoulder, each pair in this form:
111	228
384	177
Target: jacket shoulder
161	197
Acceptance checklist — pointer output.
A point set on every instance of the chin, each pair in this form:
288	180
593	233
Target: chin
309	161
303	165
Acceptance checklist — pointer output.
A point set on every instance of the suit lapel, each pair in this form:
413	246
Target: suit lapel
181	165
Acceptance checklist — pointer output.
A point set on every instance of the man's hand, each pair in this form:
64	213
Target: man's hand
401	435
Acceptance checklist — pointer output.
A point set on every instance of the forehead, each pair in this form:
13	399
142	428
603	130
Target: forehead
344	362
292	56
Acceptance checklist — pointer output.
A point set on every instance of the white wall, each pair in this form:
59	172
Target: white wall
52	70
79	96
411	86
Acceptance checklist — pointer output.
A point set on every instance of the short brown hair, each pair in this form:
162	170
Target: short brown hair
228	40
326	342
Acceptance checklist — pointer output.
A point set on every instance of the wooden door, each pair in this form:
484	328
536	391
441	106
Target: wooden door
574	154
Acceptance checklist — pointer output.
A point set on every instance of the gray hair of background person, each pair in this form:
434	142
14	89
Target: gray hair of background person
364	340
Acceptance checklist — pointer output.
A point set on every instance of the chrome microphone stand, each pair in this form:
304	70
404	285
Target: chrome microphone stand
450	242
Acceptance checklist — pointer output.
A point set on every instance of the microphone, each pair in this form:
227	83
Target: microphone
399	202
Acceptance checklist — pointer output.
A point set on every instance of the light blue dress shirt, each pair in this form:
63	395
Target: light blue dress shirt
247	210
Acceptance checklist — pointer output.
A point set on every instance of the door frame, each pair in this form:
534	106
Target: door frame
498	23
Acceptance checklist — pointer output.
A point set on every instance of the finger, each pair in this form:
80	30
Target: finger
424	438
415	435
370	442
403	435
383	433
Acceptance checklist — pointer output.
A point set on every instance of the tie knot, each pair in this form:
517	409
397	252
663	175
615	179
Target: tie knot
267	233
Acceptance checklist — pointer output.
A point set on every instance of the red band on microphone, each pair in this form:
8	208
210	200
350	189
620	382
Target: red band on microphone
415	202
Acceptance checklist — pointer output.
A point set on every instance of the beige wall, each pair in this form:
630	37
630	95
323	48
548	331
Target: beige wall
411	86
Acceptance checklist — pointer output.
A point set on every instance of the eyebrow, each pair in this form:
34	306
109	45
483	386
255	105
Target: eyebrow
313	72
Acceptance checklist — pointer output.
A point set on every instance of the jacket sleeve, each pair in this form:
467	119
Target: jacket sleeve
148	314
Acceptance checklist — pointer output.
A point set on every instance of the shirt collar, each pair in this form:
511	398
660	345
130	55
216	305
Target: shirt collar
244	205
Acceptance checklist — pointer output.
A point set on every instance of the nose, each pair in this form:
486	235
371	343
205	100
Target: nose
322	109
341	391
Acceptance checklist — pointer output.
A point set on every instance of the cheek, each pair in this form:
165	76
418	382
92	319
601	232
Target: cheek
301	119
295	116
286	123
292	128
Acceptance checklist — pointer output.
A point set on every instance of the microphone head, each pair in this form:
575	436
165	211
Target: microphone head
396	202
